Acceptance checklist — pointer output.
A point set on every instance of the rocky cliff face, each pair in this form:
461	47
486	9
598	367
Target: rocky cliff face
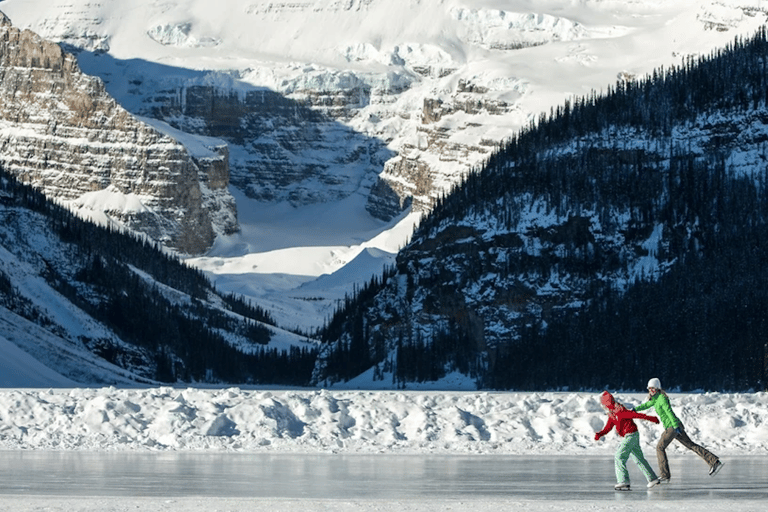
282	145
303	145
60	131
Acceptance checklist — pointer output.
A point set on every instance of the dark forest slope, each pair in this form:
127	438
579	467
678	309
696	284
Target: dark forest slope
622	236
122	299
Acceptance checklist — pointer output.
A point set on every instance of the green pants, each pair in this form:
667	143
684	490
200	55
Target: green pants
630	446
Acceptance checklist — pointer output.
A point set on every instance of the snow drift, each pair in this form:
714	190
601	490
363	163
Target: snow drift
347	421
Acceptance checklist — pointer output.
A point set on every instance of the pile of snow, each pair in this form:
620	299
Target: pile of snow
346	421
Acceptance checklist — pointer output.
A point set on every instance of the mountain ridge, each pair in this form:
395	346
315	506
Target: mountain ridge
600	234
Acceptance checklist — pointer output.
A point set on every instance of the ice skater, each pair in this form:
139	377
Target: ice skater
673	429
622	418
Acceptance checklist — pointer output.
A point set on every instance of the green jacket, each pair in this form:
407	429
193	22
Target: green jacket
660	402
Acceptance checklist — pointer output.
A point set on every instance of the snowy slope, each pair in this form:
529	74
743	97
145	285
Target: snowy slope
31	357
48	336
22	370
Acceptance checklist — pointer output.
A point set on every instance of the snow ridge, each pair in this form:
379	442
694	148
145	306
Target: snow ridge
321	421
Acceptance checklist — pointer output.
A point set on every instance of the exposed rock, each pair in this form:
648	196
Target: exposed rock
435	109
384	202
285	144
60	131
409	179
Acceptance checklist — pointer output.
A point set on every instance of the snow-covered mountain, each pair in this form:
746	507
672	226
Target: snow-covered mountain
371	105
624	233
322	99
341	118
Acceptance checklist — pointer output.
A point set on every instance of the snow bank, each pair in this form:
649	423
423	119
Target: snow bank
321	421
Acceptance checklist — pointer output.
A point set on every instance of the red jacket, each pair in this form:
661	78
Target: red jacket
622	420
620	417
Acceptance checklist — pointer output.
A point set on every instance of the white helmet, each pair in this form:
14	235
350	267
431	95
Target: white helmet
654	383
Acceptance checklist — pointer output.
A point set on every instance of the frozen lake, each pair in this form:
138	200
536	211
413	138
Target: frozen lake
364	477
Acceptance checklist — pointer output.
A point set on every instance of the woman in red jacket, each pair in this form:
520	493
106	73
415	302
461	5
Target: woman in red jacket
621	418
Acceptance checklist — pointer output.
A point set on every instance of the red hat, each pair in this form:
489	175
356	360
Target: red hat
607	400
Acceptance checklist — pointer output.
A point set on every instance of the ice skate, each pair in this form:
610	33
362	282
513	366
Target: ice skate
654	482
715	468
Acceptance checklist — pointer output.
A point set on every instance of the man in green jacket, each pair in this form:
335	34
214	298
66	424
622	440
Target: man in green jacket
673	429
